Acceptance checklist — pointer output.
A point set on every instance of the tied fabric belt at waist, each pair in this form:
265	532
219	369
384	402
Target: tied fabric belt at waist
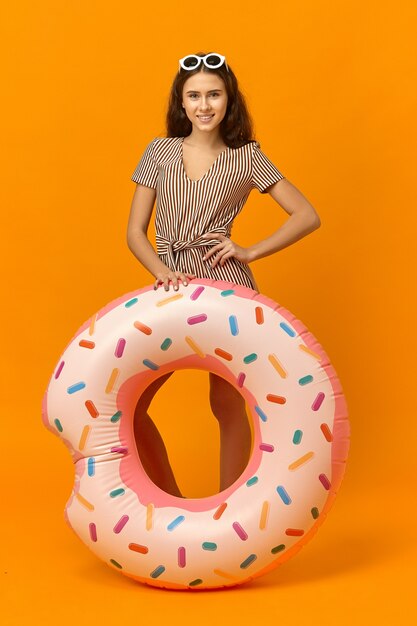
170	247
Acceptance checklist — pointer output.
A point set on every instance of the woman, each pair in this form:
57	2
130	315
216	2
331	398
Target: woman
201	175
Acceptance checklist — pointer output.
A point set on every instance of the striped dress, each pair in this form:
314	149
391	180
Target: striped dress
187	208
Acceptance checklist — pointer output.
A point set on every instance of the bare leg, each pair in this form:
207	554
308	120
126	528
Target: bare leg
228	407
151	447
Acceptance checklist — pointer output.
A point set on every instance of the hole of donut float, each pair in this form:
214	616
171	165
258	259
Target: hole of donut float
193	433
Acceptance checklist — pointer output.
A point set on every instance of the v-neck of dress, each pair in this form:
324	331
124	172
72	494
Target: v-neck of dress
197	180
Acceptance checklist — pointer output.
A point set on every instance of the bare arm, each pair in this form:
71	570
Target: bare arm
302	221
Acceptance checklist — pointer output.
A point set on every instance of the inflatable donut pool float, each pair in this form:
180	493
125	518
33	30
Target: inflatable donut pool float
300	434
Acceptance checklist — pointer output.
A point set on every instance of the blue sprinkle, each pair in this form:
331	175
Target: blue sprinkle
288	329
227	292
116	492
131	302
157	572
208	545
305	379
250	357
91	466
283	495
233	325
175	522
116	417
76	387
166	343
297	436
58	425
251	558
150	364
261	413
252	481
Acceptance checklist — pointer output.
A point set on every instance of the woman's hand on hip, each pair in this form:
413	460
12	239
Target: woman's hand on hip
225	249
170	276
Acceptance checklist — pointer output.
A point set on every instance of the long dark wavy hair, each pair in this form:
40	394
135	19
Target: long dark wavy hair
236	128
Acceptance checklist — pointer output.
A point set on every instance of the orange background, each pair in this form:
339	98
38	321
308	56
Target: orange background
331	88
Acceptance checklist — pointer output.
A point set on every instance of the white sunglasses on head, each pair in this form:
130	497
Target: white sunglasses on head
212	61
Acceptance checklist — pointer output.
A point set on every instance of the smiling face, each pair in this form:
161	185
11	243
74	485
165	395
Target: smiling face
205	100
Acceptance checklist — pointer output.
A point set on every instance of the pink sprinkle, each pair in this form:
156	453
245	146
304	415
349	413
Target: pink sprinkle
239	530
120	347
318	401
59	370
181	557
240	379
324	481
121	523
93	531
267	447
196	319
119	450
196	293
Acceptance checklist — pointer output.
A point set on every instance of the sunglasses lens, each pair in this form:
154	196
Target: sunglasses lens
213	60
191	62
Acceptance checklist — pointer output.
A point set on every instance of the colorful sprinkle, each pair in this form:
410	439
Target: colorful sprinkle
166	343
266	447
84	502
326	432
208	545
324	481
259	315
117	492
91	408
298	434
137	547
277	365
176	522
264	515
279	548
283	495
261	414
197	319
83	438
115	418
309	351
223	574
252	481
146	330
305	379
294	532
181	557
251	558
240	379
116	563
287	329
303	459
250	358
112	380
131	302
59	370
318	401
76	387
239	531
233	325
196	293
58	425
222	353
120	348
121	524
217	515
195	347
170	299
150	364
227	292
84	343
277	399
315	512
93	531
91	466
157	572
92	324
149	516
195	582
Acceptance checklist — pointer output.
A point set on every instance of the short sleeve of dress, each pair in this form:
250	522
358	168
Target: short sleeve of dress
264	172
146	171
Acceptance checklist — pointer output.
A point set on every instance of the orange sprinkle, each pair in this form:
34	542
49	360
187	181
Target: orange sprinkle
136	547
294	532
277	365
277	399
149	516
259	315
83	437
91	408
326	432
85	502
84	343
195	347
220	572
303	347
223	354
143	328
220	511
303	459
112	380
264	515
170	299
92	324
